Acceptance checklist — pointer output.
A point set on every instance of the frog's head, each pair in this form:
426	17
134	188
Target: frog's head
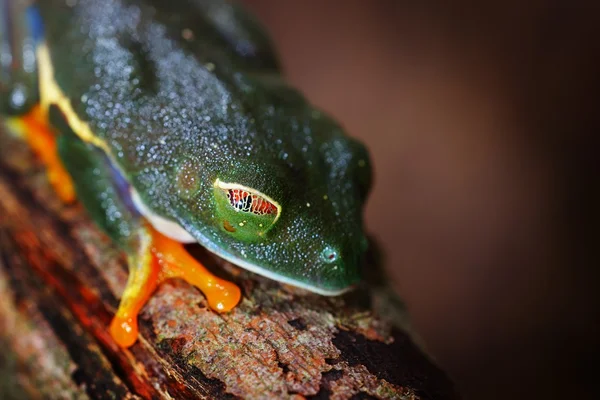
278	190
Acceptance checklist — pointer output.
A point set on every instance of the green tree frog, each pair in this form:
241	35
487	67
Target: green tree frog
171	123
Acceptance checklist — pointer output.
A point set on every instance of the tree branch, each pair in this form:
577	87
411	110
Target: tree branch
60	279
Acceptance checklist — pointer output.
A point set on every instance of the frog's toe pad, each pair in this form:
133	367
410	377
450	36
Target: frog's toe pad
124	331
222	296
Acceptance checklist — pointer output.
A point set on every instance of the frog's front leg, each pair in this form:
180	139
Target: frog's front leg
157	259
152	257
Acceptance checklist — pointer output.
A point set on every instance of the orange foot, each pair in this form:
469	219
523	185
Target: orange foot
163	259
40	137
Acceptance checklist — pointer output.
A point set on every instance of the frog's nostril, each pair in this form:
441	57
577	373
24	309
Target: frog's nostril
329	255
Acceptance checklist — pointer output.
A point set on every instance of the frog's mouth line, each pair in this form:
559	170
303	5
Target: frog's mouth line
178	233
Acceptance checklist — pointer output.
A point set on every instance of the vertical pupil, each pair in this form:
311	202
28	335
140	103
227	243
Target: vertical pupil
247	202
241	200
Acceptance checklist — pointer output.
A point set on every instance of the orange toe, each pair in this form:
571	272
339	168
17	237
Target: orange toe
124	331
223	296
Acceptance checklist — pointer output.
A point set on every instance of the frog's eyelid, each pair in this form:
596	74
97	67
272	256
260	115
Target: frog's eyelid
226	186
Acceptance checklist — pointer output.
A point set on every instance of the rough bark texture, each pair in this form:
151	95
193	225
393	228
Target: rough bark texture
60	280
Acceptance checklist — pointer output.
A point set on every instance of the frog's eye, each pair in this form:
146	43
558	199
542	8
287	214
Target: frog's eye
243	212
246	201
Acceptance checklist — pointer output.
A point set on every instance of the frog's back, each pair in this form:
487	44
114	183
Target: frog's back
193	115
144	73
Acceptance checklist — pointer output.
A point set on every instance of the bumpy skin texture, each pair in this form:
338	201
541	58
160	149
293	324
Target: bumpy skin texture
182	96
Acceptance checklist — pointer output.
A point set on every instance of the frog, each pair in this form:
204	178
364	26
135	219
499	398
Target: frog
172	123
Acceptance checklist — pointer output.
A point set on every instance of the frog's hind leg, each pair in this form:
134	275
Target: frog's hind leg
35	129
151	257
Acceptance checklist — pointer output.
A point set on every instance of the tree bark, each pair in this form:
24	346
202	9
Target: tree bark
60	280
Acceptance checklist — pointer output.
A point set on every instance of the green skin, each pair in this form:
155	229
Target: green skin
179	111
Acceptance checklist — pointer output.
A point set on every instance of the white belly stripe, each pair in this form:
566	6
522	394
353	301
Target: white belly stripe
168	228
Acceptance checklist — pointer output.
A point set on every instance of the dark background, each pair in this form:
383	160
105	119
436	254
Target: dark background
482	122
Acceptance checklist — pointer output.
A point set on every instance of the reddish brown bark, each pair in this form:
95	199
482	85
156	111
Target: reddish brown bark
60	279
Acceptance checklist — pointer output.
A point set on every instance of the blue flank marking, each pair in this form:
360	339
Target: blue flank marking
35	23
122	186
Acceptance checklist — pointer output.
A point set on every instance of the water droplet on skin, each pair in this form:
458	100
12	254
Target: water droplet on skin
187	34
18	98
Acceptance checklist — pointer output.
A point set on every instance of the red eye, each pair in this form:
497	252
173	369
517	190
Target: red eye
244	201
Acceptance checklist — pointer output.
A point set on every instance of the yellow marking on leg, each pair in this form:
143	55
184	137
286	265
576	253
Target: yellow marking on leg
51	93
34	127
160	258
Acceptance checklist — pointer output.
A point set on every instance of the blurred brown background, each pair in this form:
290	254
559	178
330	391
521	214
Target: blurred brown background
481	121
